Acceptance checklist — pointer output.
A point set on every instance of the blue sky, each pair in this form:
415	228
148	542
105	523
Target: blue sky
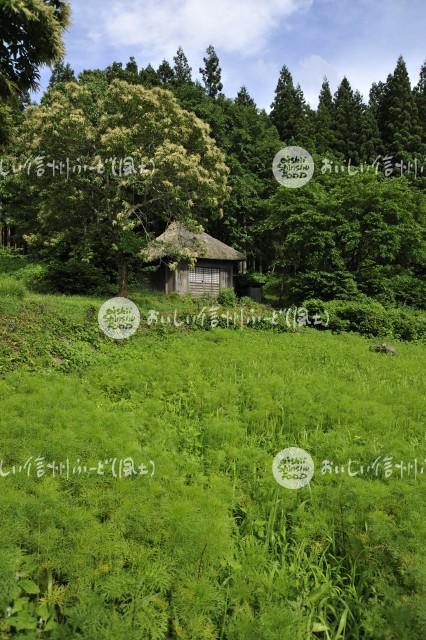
254	38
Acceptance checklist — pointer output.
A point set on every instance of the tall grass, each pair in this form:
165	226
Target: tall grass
210	547
11	288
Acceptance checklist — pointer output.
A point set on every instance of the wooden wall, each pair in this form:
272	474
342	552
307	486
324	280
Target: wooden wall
179	282
225	280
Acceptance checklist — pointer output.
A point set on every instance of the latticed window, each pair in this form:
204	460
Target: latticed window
204	275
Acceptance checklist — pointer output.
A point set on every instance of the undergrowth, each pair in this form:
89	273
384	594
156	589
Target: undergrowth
207	546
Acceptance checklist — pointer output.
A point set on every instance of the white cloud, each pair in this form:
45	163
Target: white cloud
311	73
160	26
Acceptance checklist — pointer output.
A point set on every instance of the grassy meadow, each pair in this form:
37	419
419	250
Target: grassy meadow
204	544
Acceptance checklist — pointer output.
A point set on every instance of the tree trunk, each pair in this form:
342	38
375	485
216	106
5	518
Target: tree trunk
123	279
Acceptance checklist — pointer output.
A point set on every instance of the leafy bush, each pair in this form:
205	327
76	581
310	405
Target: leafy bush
11	288
21	268
408	324
75	276
369	317
33	276
252	278
319	284
227	297
409	290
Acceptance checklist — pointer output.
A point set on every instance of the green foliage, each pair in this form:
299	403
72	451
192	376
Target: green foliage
409	290
210	546
343	235
75	276
408	324
398	116
11	287
290	113
31	35
355	136
27	272
165	73
227	297
325	120
362	255
212	73
420	97
6	123
253	278
98	217
182	70
61	72
243	98
368	317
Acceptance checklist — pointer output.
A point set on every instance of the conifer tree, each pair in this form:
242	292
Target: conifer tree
324	120
132	67
375	104
398	116
369	135
165	73
348	110
129	73
306	126
182	70
61	72
289	112
244	98
376	97
212	73
420	97
114	71
149	77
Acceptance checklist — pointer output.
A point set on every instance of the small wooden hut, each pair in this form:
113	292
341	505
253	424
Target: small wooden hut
214	269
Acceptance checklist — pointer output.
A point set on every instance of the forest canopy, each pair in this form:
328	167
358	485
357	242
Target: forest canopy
356	229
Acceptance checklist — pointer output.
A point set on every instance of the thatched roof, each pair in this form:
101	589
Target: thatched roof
177	237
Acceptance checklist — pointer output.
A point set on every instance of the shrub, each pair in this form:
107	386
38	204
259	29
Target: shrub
369	317
407	324
252	278
319	284
246	301
409	290
227	297
11	288
76	277
33	276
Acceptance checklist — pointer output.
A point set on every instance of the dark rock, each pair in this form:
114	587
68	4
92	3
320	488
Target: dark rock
383	348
